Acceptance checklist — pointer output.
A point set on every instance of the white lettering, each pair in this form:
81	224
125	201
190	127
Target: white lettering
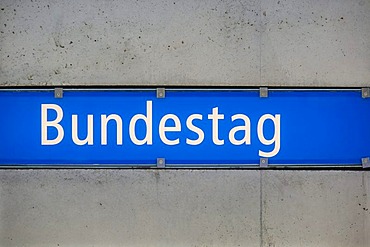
104	125
246	128
148	121
275	140
163	129
89	138
215	117
54	123
169	133
198	131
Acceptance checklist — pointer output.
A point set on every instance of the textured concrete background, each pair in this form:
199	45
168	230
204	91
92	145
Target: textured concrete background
129	208
367	207
189	43
202	43
314	208
183	208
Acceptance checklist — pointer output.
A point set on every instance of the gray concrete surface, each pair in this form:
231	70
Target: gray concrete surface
366	207
129	208
202	43
320	208
316	43
183	208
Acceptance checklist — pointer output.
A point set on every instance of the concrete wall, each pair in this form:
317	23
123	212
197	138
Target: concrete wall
211	42
313	208
194	43
366	207
183	208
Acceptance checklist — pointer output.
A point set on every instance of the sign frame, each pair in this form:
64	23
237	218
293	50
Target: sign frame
161	162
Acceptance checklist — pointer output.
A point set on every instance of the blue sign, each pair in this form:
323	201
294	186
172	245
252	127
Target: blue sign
186	128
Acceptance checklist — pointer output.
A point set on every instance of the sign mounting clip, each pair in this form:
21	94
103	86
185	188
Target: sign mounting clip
264	92
58	93
264	162
365	92
161	162
365	162
161	93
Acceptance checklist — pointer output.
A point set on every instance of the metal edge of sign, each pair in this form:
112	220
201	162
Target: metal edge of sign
174	89
180	166
58	93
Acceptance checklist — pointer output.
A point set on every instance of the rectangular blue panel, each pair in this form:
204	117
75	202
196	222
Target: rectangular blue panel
186	128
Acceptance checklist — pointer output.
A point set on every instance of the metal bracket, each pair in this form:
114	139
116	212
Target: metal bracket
264	92
264	162
365	92
161	162
58	93
365	162
161	93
